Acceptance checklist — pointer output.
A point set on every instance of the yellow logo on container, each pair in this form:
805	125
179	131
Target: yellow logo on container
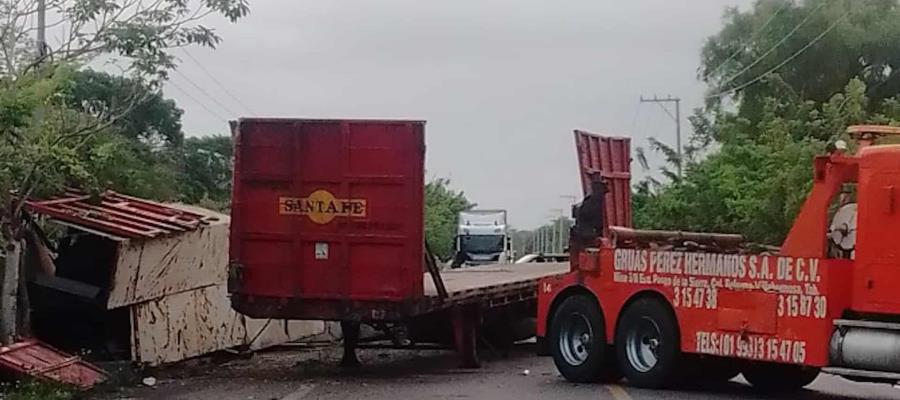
322	207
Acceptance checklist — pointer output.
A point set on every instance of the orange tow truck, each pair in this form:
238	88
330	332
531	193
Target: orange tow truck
658	307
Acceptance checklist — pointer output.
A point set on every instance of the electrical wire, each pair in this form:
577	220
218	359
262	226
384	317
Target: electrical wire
205	93
753	36
194	99
775	46
216	81
783	63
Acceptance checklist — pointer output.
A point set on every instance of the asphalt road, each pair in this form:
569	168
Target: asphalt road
392	375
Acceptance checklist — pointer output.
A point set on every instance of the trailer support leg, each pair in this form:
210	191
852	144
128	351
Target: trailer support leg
350	331
465	334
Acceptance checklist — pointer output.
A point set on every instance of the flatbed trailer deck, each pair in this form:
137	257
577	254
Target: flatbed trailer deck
492	284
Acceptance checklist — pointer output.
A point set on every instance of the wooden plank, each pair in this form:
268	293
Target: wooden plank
493	279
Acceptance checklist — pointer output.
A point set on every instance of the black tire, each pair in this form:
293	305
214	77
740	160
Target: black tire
577	340
718	370
706	371
775	378
648	344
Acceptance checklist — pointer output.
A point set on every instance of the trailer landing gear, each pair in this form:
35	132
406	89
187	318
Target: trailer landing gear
465	321
350	331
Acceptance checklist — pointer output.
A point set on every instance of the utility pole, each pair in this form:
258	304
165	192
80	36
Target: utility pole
548	239
558	236
545	248
676	118
10	276
12	302
540	240
9	292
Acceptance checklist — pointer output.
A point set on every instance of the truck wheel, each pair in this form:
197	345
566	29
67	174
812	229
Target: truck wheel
704	371
770	377
647	344
578	340
718	370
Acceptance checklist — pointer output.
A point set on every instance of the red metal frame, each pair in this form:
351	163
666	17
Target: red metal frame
777	307
117	215
37	359
609	157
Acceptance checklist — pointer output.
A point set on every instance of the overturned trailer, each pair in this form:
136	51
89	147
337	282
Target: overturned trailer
139	280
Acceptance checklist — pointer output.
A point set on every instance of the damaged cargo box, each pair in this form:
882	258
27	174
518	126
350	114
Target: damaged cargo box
139	280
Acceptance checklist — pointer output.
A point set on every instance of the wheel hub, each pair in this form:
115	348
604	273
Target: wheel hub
642	344
575	339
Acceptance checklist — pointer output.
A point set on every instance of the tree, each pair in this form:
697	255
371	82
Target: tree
148	154
805	50
51	142
154	122
206	170
442	208
784	79
53	129
755	185
47	142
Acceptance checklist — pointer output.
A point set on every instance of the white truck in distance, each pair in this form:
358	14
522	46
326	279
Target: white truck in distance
482	238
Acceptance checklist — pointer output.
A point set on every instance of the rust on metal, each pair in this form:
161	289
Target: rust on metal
620	233
37	359
116	215
876	129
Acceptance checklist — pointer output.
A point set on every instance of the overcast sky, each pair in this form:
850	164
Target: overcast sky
502	84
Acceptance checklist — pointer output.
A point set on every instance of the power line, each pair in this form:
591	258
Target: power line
783	63
752	37
775	46
676	118
205	93
216	81
200	103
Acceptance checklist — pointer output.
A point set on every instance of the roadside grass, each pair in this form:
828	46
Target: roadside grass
35	390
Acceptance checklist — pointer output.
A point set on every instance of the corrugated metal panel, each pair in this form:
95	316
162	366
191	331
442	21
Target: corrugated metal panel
328	209
611	158
37	359
116	215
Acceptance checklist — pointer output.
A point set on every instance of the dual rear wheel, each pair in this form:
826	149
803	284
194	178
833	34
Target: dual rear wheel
646	350
578	342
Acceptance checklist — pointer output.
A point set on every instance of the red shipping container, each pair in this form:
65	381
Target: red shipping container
326	212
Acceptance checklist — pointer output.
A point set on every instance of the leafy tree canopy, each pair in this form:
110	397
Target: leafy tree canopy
206	171
155	120
792	76
756	185
61	126
807	50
